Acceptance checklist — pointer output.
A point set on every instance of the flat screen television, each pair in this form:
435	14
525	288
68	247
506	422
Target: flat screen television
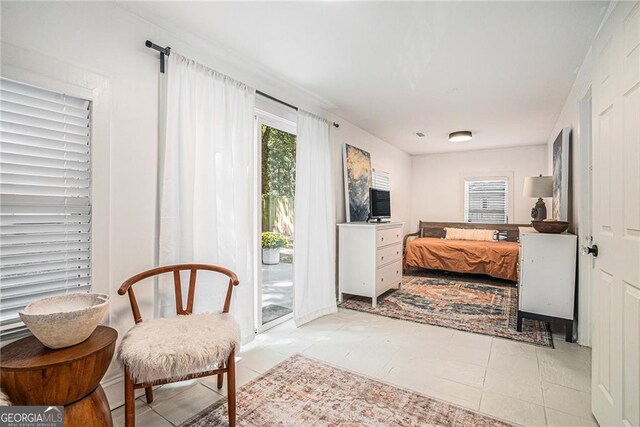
379	204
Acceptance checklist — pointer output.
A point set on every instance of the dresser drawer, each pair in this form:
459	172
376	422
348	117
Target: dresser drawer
388	276
388	254
388	236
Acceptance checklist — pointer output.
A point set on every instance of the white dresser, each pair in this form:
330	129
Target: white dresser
547	280
370	258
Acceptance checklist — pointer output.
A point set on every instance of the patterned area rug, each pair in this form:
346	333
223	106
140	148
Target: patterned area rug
466	303
304	392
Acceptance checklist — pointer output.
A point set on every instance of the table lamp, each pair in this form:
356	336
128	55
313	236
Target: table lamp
538	186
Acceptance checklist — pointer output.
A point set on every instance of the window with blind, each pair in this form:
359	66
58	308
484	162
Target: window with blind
486	201
45	197
380	180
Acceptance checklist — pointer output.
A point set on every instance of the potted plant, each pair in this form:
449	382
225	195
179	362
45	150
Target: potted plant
271	244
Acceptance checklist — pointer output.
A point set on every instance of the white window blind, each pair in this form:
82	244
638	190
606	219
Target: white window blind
486	201
45	197
380	180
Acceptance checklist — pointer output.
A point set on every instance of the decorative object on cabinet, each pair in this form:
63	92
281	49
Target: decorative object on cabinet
546	289
538	186
370	259
561	173
552	227
188	346
65	320
33	374
357	181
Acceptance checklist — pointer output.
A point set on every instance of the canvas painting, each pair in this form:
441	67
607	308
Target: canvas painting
357	178
561	176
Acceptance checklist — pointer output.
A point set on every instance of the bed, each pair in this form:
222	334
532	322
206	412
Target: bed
428	249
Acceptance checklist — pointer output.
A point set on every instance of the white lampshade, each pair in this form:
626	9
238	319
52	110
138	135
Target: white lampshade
538	186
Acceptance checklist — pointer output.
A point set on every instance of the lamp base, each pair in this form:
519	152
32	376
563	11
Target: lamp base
539	211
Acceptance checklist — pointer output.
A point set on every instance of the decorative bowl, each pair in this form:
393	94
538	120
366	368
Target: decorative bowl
553	227
65	320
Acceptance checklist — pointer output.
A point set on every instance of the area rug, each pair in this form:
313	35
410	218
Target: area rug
305	392
273	311
478	305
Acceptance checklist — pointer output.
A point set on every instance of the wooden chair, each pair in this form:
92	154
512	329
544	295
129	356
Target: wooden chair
226	366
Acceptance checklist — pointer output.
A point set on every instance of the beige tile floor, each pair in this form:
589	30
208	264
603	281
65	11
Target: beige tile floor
529	385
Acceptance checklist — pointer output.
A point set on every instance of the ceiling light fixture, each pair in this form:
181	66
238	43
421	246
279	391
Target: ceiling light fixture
460	136
420	134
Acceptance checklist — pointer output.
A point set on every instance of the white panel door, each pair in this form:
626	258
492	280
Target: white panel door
616	219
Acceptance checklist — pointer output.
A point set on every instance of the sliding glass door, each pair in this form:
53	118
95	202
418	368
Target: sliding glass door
277	147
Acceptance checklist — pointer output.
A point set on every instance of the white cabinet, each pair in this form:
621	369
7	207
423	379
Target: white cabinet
546	289
370	258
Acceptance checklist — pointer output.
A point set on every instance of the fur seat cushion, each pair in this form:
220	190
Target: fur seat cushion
173	348
4	399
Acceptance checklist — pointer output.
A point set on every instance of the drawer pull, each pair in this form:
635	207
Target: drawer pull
382	279
382	257
382	239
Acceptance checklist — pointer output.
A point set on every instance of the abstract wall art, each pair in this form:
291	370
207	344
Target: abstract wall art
357	180
561	164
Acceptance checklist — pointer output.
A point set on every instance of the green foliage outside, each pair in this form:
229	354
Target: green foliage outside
278	180
273	240
278	163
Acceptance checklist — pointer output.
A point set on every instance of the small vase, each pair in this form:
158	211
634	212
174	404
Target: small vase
271	256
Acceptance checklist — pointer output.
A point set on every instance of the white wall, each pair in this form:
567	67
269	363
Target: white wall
438	181
569	117
87	39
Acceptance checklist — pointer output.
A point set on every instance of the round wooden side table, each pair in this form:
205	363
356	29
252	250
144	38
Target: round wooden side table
32	374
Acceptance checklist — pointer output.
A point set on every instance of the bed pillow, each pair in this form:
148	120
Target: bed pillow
470	234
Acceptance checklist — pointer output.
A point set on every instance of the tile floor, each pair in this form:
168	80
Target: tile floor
522	383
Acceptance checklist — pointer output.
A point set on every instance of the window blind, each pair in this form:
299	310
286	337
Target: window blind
486	201
380	180
45	197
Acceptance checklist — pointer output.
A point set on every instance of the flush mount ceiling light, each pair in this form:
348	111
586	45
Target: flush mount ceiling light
460	136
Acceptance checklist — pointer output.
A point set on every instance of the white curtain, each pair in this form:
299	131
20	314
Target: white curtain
206	186
314	245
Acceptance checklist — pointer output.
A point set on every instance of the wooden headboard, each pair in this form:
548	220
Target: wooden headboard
507	232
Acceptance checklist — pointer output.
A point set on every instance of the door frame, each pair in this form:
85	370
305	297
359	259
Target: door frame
262	117
585	235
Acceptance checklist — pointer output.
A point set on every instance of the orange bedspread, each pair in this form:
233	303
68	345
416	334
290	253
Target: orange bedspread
497	259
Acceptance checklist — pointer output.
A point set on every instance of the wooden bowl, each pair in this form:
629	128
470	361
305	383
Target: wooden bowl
65	320
552	227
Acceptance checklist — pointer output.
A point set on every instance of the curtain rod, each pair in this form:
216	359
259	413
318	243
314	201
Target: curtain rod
163	51
167	51
273	98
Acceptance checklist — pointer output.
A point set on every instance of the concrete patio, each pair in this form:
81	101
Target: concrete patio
277	291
